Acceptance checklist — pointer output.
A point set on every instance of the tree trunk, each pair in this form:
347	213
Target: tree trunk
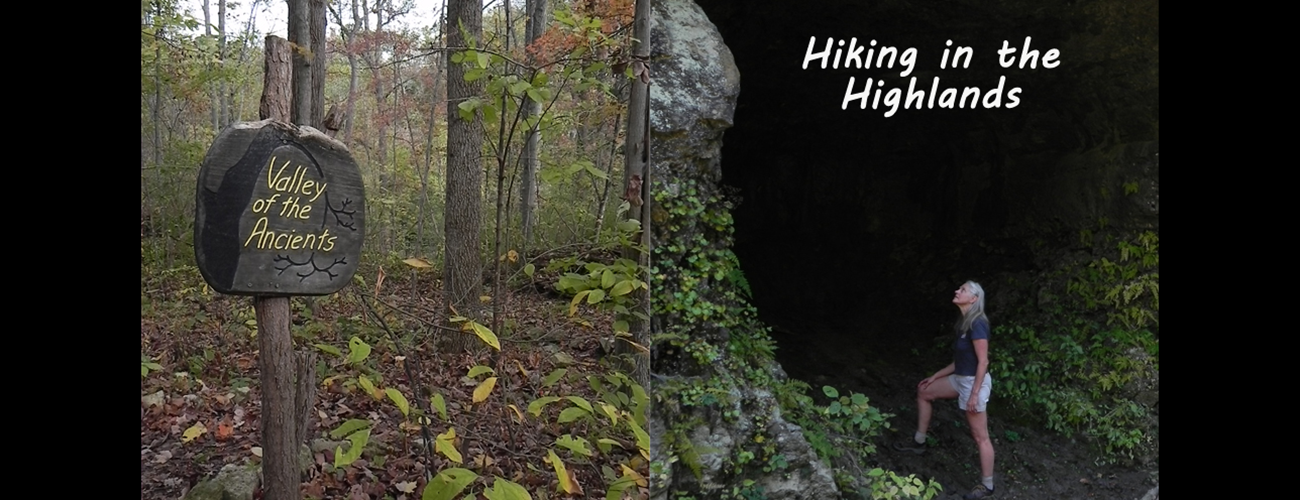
636	163
216	92
318	52
300	42
463	215
603	201
352	72
439	61
528	184
224	98
276	81
275	359
275	345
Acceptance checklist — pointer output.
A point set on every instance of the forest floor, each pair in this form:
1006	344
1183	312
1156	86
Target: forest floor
200	411
1030	463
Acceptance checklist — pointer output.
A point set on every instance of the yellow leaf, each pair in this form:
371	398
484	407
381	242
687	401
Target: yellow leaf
635	345
513	256
484	333
522	371
485	298
446	445
484	389
566	483
517	413
640	480
193	432
418	263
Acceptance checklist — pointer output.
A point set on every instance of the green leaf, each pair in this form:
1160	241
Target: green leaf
535	407
483	59
577	445
628	225
479	370
859	399
830	391
596	296
358	440
348	427
328	349
572	413
611	411
503	489
580	402
466	109
448	483
621	326
642	439
357	350
553	377
529	269
474	74
366	384
440	405
399	400
597	173
622	288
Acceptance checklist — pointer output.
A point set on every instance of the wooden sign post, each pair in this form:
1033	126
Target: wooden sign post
280	211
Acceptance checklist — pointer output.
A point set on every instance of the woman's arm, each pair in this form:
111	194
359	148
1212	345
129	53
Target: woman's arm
981	368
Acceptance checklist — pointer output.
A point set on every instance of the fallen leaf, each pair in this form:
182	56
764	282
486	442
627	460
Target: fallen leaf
162	456
224	430
152	400
405	486
483	390
257	451
193	432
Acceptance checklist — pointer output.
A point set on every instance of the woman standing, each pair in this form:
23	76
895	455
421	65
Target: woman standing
969	369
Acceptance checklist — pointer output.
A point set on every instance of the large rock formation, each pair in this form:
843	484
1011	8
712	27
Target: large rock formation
717	428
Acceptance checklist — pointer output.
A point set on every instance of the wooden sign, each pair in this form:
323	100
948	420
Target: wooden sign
280	211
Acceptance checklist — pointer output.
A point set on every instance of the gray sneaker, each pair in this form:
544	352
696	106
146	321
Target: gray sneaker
979	492
909	445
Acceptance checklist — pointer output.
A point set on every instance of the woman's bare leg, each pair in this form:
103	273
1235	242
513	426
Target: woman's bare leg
939	389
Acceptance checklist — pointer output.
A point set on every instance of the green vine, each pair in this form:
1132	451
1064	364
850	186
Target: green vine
713	342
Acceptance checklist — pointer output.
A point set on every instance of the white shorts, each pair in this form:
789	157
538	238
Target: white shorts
963	384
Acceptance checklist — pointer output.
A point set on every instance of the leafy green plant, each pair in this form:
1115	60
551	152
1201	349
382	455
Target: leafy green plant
885	484
147	364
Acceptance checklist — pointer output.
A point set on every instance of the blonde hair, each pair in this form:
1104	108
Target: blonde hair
975	311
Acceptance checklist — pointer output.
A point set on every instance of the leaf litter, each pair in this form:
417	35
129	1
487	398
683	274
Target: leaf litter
202	410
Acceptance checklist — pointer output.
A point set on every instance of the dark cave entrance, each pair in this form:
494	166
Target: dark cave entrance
855	228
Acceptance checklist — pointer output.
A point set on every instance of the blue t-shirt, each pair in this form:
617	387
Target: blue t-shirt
964	359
